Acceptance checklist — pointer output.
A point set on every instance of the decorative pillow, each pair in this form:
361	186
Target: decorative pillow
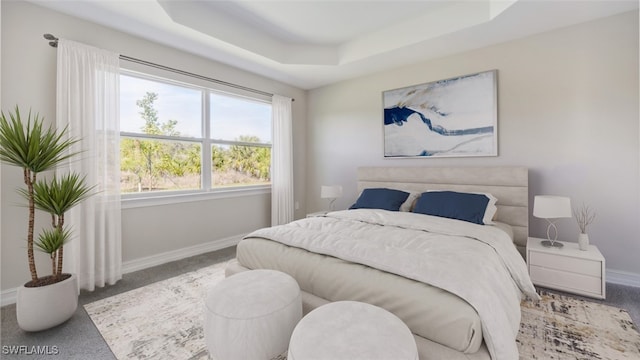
380	198
454	205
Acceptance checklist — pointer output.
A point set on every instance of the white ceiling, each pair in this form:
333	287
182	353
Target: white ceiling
309	43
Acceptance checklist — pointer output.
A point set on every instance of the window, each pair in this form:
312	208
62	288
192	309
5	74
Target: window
178	138
241	141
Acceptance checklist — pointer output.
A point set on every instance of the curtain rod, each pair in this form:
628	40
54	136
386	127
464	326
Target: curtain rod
53	41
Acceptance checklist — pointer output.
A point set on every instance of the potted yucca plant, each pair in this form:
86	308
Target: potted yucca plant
44	301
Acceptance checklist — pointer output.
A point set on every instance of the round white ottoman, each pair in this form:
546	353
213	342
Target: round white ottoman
251	315
351	330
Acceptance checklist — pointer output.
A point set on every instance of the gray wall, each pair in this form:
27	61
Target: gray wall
28	79
568	110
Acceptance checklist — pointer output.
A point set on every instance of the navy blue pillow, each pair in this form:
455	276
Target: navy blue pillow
381	198
453	205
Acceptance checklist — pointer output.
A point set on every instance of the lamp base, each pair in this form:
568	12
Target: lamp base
549	243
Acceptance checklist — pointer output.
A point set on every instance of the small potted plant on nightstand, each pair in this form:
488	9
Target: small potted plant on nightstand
44	301
584	216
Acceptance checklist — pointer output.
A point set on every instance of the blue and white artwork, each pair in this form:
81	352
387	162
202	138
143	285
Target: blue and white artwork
452	117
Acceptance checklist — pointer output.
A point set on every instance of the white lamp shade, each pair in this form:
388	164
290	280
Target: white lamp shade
551	207
330	191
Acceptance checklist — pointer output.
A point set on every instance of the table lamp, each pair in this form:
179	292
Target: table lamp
551	208
331	192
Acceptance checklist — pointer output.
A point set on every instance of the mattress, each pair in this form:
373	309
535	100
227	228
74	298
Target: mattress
428	311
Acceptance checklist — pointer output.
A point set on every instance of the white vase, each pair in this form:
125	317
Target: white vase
43	307
583	242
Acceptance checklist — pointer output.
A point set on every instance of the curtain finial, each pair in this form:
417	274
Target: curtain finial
53	41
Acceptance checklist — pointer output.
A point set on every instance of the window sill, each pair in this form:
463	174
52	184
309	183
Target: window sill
131	201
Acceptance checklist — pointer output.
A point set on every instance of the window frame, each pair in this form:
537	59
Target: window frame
206	191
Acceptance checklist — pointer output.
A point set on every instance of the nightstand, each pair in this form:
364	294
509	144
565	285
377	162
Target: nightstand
568	268
318	213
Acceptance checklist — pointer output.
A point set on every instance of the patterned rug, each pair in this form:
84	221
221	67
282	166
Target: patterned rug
164	321
562	327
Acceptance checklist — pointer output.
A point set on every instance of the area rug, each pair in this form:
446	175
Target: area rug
164	320
563	327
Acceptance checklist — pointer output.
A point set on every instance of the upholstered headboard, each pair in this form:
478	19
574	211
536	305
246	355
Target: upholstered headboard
510	185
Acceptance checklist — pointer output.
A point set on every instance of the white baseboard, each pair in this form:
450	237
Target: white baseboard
159	259
8	296
623	278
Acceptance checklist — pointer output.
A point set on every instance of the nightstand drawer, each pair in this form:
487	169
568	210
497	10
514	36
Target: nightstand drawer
565	280
566	264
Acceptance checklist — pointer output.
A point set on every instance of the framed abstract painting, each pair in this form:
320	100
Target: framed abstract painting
444	118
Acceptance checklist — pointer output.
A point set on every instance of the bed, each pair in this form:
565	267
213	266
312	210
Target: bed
456	284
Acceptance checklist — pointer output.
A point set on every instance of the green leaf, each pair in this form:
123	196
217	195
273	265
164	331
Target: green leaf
58	195
30	146
50	240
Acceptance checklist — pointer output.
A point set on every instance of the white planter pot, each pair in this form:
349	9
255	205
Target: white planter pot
41	308
583	242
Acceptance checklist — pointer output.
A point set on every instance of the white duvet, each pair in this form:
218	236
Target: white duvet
478	263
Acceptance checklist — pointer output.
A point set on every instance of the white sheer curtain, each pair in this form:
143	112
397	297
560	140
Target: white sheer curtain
88	102
282	162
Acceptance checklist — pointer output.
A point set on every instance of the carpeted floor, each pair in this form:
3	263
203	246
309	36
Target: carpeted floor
79	338
146	323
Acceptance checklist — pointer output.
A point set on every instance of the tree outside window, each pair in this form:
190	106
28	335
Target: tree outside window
162	145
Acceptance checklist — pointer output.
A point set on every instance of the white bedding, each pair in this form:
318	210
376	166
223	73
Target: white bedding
478	263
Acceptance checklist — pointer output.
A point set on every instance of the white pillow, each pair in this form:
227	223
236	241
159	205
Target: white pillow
491	210
408	204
